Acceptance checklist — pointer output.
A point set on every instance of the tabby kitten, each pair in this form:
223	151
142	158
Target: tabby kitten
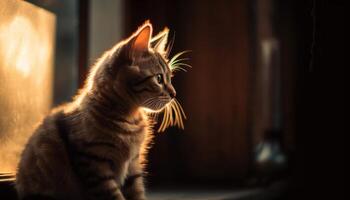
94	147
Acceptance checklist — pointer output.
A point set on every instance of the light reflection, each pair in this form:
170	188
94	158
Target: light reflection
19	46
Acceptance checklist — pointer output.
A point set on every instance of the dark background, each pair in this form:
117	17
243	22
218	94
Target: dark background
231	107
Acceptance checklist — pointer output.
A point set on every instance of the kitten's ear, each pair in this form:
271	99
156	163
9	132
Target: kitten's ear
141	39
160	41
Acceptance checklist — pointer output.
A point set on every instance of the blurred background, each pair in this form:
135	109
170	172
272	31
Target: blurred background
263	120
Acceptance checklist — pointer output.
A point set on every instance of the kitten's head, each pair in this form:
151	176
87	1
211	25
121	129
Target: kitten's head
148	75
138	69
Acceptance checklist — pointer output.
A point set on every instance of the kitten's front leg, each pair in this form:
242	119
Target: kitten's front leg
107	190
98	178
133	188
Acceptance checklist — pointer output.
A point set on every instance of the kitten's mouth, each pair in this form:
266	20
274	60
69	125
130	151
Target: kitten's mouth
156	107
173	115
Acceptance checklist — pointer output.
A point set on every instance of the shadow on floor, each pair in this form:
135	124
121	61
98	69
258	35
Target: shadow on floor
274	191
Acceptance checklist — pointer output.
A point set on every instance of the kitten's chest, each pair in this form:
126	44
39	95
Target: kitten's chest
134	138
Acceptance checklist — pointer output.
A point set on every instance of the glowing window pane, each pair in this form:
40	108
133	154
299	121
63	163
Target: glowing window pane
26	62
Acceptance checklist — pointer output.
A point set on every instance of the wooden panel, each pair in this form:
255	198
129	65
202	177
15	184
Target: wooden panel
216	90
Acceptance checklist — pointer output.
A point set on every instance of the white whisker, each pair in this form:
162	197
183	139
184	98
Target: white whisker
175	62
173	115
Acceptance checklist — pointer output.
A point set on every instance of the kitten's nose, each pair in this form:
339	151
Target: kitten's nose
173	94
171	91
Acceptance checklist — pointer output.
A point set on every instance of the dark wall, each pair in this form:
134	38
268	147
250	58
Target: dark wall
320	99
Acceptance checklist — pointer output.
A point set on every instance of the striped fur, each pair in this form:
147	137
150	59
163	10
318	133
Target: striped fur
95	146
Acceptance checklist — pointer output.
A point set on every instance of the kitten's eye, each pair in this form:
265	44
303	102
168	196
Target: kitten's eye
160	78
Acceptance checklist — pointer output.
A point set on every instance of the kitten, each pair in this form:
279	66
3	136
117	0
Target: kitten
95	146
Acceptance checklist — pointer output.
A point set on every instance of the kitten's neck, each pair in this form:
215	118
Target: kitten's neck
110	107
